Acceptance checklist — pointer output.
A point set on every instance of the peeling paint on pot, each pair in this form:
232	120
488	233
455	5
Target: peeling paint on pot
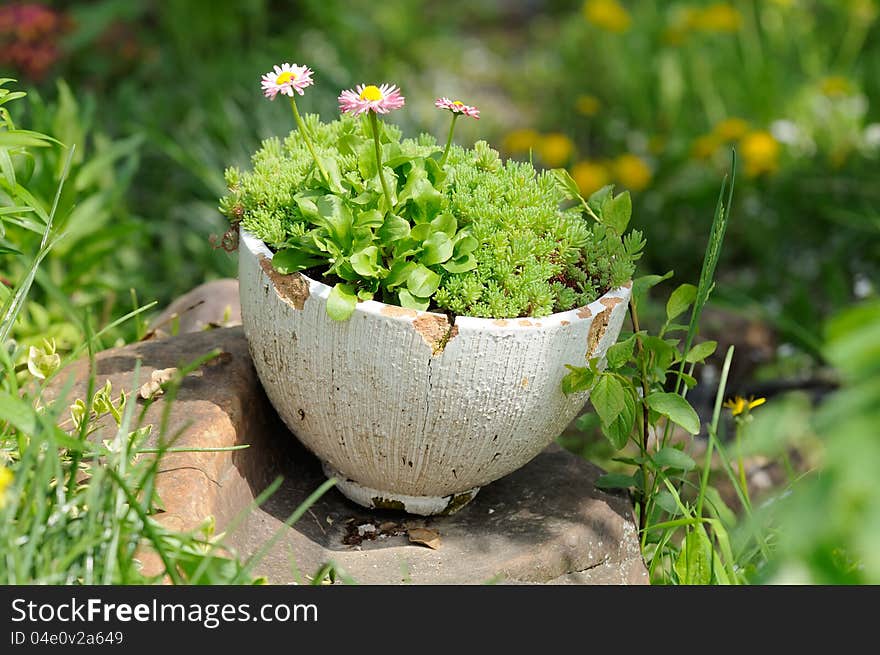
403	406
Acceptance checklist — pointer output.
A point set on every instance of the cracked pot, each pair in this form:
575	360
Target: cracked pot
410	406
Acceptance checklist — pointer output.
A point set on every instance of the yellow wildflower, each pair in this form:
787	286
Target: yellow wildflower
555	149
731	129
718	17
760	152
610	15
521	140
864	11
836	86
590	176
632	172
5	481
588	105
737	405
704	146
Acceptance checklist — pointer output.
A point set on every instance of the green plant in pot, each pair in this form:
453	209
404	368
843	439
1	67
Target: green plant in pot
411	308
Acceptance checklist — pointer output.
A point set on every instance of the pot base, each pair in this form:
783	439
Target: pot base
377	499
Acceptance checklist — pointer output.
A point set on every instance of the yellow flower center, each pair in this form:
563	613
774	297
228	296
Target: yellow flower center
371	93
285	77
458	103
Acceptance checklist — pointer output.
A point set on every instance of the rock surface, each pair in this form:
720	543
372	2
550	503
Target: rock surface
543	523
212	304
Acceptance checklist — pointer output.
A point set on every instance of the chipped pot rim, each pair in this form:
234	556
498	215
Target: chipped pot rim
394	312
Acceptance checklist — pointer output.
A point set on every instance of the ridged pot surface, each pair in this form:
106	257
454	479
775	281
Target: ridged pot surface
401	401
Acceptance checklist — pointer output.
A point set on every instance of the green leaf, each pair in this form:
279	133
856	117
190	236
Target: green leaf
642	284
667	503
597	200
424	199
579	378
659	354
689	380
461	264
9	96
341	302
422	282
366	262
615	481
446	223
336	217
292	260
18	138
608	398
676	408
616	212
422	231
465	245
716	506
412	302
669	457
393	229
620	353
694	563
370	218
682	298
619	431
437	249
400	271
332	167
18	414
701	351
306	201
567	184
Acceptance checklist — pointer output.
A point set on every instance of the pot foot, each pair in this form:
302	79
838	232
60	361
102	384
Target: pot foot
377	499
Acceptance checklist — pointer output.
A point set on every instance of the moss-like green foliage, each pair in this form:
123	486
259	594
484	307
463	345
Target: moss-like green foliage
479	237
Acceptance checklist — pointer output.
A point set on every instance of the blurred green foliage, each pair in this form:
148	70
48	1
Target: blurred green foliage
827	523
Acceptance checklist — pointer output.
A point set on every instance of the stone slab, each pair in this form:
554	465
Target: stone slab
543	523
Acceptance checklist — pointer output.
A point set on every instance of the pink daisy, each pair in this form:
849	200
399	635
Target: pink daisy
378	99
457	107
286	79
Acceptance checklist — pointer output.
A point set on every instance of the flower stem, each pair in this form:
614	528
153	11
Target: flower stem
374	122
448	140
308	139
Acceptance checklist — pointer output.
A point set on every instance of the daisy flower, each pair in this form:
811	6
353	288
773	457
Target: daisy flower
286	79
378	99
738	405
457	107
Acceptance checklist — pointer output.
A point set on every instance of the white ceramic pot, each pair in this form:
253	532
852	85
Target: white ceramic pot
404	409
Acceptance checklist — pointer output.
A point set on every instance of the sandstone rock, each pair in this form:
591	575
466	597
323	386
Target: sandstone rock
543	523
212	304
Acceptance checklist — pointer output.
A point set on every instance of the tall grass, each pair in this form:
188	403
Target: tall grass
77	505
